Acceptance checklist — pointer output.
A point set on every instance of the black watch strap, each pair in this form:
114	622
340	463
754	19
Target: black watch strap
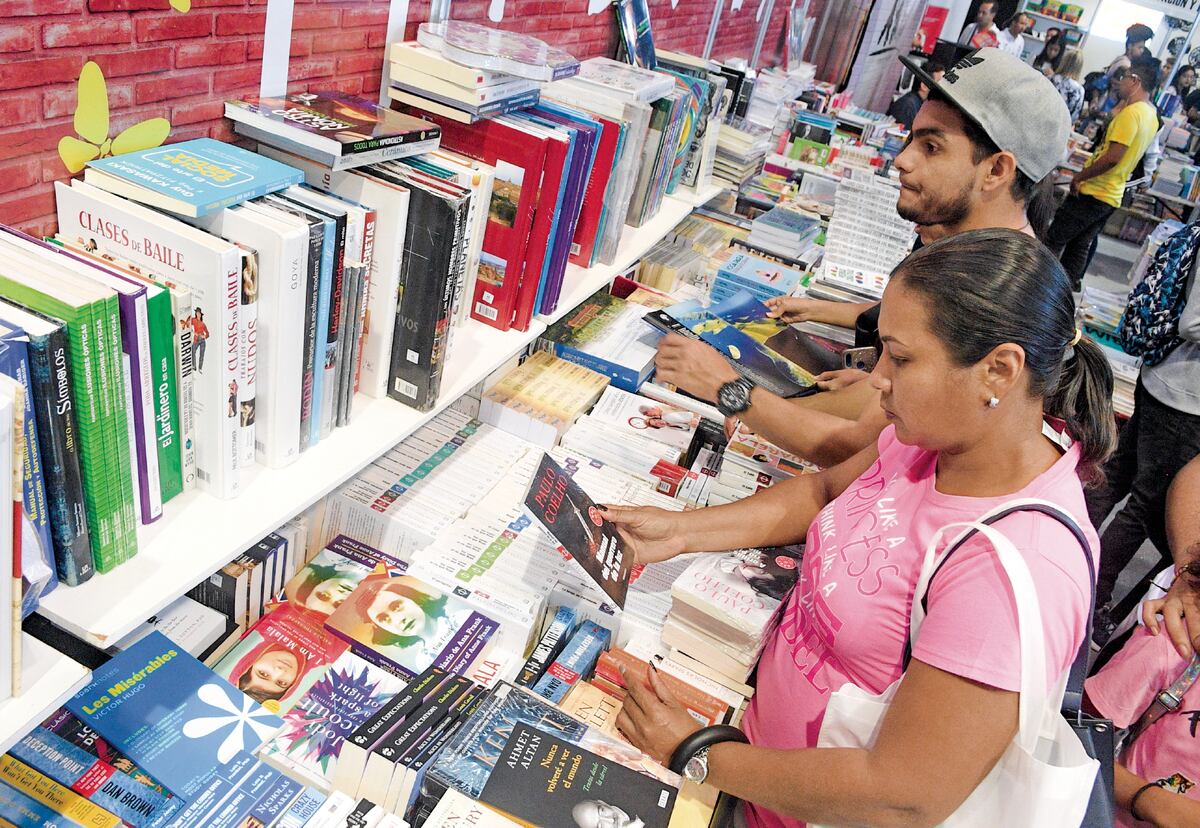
705	737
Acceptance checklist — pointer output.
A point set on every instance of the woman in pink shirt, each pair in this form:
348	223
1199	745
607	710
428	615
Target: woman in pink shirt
982	367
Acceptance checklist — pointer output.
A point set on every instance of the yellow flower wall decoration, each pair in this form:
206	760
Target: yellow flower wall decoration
184	6
92	123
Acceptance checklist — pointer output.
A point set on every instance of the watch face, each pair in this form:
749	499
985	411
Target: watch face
696	768
733	398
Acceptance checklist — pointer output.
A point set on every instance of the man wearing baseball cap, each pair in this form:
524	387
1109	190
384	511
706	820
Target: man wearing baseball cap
989	136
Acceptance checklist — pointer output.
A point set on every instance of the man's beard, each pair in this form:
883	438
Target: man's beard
950	211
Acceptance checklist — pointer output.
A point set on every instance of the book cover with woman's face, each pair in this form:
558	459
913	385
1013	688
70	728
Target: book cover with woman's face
410	625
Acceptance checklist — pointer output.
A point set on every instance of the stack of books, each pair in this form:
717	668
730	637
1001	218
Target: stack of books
428	80
866	238
15	591
606	334
1102	311
722	607
761	278
786	231
750	464
542	398
670	264
741	150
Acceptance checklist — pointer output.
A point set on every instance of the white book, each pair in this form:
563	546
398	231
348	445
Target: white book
189	624
471	96
210	268
390	202
423	59
10	598
281	242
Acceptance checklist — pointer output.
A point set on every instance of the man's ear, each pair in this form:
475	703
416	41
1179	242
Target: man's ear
1002	171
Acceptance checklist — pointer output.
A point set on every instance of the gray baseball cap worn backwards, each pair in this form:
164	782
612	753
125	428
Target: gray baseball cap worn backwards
1016	105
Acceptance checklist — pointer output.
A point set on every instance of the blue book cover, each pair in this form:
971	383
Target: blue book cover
578	659
136	803
302	810
276	801
228	794
23	811
204	175
743	267
172	715
37	546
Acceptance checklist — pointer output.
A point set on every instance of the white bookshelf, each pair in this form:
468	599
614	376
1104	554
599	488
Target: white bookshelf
49	678
198	534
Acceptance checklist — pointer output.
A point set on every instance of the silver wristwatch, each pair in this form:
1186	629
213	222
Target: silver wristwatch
734	397
696	769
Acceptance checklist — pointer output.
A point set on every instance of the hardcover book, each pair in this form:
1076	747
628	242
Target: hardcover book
191	178
172	716
58	439
528	783
570	515
332	122
606	334
734	596
405	625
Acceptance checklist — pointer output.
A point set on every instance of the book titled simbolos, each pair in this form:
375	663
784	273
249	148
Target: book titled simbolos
333	128
191	178
541	780
577	523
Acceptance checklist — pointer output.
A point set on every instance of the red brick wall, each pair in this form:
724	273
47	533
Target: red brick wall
161	63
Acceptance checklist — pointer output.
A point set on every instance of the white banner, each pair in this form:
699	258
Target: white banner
889	34
1183	9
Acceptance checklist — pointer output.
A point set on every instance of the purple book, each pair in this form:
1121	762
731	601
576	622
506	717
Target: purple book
586	134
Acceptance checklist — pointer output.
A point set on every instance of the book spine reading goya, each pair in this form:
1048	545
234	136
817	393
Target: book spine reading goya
58	439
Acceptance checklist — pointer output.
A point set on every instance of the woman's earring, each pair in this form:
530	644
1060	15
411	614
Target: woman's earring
993	402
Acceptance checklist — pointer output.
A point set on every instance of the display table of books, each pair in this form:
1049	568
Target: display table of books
49	678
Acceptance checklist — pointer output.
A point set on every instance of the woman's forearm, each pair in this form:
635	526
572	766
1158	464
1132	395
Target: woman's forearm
819	437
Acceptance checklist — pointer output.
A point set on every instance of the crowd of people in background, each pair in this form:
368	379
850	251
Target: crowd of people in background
984	389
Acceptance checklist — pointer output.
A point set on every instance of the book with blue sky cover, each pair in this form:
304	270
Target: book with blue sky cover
172	715
191	178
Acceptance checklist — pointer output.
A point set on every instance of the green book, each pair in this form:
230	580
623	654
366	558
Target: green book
26	282
166	384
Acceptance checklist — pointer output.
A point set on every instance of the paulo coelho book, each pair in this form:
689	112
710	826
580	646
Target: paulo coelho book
173	717
564	508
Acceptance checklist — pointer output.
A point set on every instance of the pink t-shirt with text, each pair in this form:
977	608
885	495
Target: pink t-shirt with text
847	620
1169	750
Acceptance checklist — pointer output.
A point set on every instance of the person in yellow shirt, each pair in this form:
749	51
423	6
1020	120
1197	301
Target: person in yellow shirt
1099	188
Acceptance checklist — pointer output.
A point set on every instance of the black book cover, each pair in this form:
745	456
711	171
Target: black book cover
395	711
542	780
564	508
426	289
58	442
316	244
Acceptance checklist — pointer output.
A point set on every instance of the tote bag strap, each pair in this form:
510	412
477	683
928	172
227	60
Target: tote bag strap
1073	696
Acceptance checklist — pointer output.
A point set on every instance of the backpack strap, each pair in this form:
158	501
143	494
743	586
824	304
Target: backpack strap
1073	698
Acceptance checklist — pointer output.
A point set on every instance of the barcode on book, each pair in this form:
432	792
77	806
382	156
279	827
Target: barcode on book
486	312
405	388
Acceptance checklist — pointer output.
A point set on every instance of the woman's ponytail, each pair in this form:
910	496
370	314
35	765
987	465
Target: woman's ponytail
1083	399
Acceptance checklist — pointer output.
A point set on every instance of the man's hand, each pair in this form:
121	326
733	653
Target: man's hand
842	378
1180	610
692	365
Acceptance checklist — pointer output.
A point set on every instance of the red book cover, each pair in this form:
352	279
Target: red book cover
519	158
543	225
593	197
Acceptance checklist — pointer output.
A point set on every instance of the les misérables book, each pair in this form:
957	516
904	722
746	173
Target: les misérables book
541	780
564	508
194	732
405	625
191	178
282	656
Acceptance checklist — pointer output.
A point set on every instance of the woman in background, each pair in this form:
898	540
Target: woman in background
1066	81
1051	54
